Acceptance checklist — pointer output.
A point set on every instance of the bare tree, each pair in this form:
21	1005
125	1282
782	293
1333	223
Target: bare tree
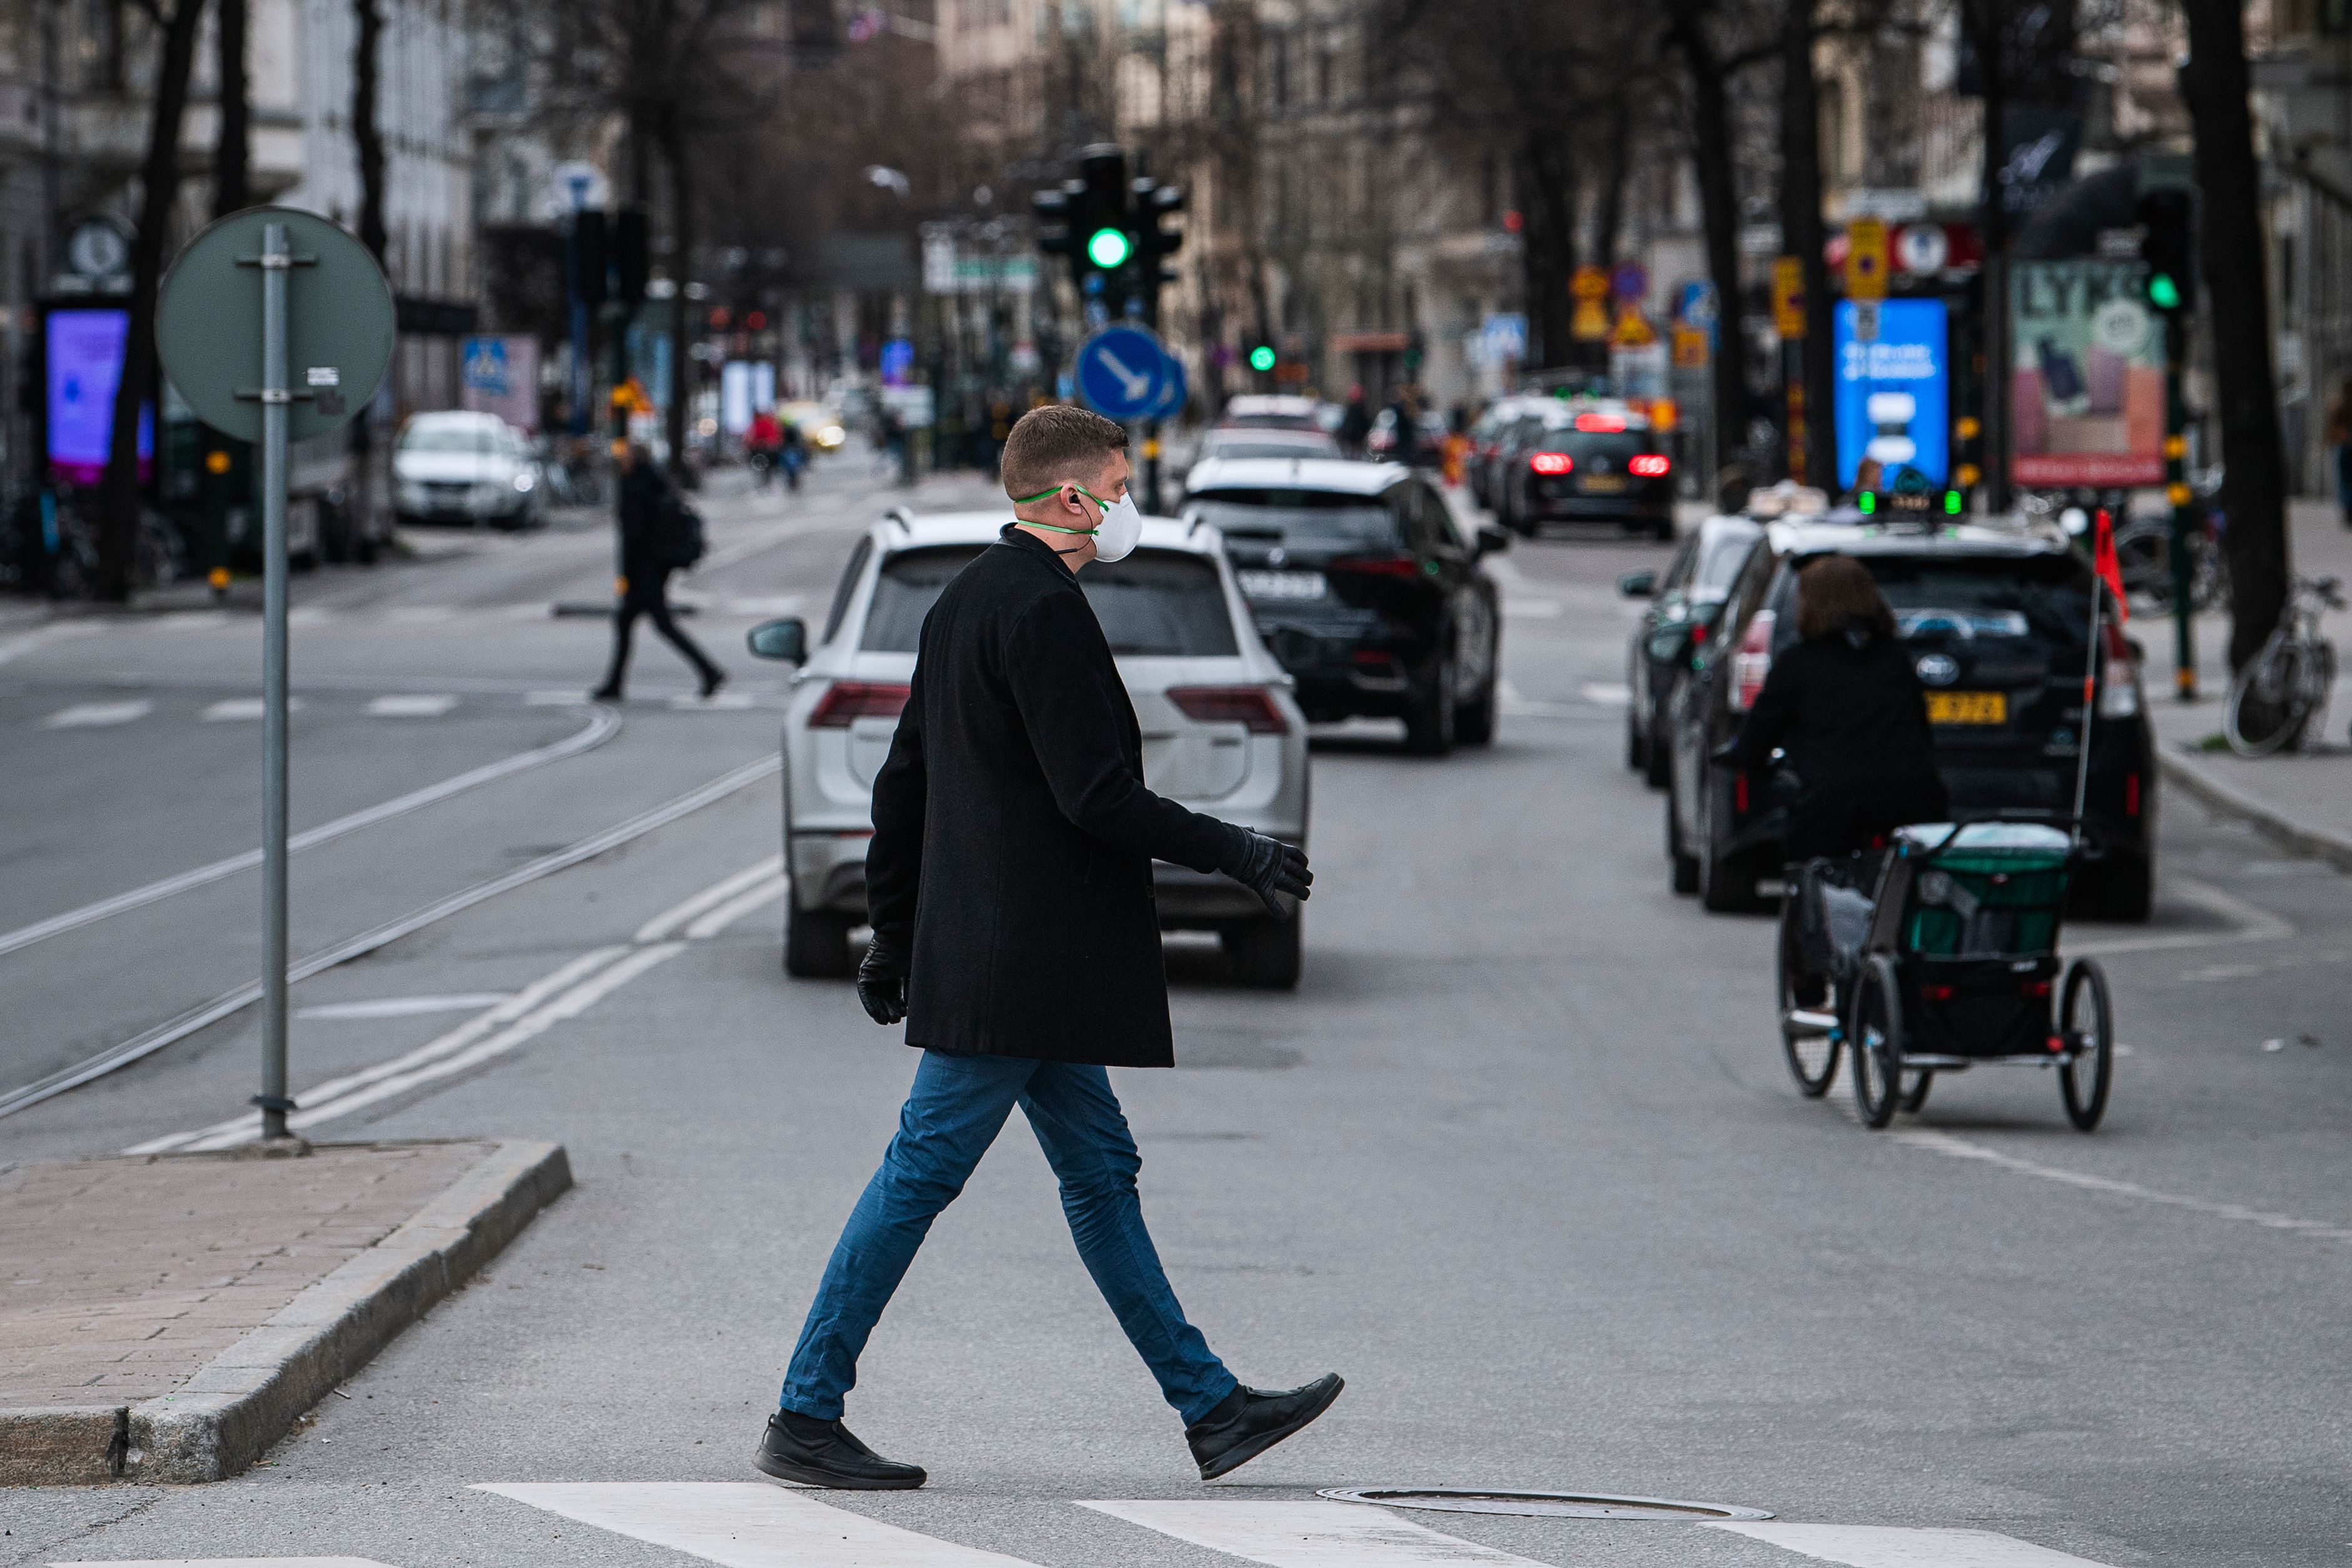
118	499
233	153
2214	82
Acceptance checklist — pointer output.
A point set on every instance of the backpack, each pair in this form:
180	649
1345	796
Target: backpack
681	533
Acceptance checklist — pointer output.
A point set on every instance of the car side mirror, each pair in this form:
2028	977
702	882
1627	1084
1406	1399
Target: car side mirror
1638	584
1493	540
786	640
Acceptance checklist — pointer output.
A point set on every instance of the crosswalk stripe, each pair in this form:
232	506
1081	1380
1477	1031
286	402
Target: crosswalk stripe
1887	1546
1310	1534
95	716
428	704
232	1563
747	1524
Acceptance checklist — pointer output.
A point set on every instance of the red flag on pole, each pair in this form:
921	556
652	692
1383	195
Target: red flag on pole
2103	562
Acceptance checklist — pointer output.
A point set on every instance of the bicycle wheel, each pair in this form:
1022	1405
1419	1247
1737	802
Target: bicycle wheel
1914	1099
2086	1021
1813	1058
1874	1028
2269	701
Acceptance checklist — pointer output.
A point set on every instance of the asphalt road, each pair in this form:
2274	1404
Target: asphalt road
1519	1157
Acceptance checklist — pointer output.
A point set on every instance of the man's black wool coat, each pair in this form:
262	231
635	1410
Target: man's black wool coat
1013	835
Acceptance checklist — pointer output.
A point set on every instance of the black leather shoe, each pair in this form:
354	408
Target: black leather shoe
823	1454
1253	1420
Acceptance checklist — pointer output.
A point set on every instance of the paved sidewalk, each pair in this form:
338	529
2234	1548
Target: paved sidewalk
138	1290
2300	799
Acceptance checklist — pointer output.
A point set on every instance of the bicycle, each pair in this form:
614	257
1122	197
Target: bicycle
2143	550
2281	693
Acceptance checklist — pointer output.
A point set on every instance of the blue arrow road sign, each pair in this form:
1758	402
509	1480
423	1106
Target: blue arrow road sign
1174	389
1121	372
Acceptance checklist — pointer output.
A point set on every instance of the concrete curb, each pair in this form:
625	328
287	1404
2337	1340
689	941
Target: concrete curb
245	1399
2227	799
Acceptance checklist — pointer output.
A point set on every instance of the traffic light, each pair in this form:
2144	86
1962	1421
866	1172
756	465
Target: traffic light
1058	215
1262	358
2168	244
1101	216
632	255
1154	204
1108	248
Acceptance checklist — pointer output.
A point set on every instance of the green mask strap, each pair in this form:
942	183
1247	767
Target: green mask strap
1057	527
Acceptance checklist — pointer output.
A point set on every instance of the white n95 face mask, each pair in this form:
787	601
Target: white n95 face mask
1114	536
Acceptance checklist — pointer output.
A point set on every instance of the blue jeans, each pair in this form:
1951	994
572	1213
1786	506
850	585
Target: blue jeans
954	1113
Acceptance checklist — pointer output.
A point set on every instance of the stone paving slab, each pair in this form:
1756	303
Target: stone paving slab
165	1316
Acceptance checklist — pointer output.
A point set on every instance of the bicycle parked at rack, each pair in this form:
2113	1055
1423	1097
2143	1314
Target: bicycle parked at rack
2281	693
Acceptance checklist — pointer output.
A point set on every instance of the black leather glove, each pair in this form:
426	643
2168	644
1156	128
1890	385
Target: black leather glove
882	983
1268	867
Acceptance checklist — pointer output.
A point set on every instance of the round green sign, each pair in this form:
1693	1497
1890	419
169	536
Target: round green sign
338	324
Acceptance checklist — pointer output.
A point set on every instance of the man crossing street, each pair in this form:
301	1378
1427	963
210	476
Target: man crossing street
1009	888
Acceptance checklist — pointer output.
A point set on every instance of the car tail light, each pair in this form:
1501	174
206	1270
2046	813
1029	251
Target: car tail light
1608	421
1648	466
1377	566
1752	662
1936	993
1739	794
2033	988
1246	705
848	701
2131	794
1551	463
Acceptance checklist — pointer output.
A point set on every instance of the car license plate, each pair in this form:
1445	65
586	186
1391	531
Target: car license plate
1603	485
1967	707
1282	584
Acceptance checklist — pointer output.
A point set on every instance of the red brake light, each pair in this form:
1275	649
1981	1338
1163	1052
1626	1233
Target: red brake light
1752	662
844	702
1648	465
1246	705
1599	422
1551	463
1740	793
2131	794
1379	566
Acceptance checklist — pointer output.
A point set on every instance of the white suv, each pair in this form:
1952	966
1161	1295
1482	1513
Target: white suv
1220	730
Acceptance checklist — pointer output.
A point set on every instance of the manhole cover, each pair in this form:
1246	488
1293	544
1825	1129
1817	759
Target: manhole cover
1541	1504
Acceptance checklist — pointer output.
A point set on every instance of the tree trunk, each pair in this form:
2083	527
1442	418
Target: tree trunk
1719	200
118	499
1609	220
682	240
233	153
1985	20
2230	238
1802	234
1545	179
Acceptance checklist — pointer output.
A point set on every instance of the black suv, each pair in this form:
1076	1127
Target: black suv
1997	621
1582	464
1364	589
1685	602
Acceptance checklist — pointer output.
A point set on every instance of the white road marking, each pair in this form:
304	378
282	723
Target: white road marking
24	643
98	715
309	615
1309	1534
2250	924
1963	1149
734	909
1515	701
406	1007
666	924
426	705
600	727
240	710
734	702
1886	1546
746	1524
1608	694
771	605
555	699
1537	609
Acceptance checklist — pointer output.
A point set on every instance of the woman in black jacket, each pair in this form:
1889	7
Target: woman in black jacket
648	554
1846	706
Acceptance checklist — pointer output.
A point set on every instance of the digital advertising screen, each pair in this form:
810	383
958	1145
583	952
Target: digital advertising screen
1893	393
83	349
2086	376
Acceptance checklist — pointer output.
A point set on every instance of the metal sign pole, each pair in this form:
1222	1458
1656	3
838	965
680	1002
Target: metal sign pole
276	399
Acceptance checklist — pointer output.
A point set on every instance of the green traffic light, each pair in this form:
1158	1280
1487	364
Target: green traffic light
1867	502
1262	358
2162	292
1108	248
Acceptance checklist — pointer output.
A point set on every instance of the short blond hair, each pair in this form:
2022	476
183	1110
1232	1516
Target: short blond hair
1055	442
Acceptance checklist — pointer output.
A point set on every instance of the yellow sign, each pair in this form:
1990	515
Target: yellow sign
1788	296
1590	283
1634	331
1866	259
1690	347
631	397
1663	415
1591	323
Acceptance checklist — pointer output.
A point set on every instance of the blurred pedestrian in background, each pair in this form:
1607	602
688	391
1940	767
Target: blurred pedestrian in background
1355	423
2338	438
659	534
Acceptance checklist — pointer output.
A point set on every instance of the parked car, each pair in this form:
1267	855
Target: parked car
1364	589
1586	461
1998	620
1487	434
1252	441
1685	602
1271	411
1382	439
462	467
1221	732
